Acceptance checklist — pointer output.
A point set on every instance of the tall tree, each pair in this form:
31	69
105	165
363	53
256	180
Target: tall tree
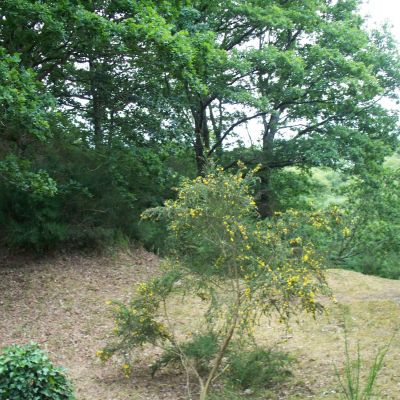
80	99
307	71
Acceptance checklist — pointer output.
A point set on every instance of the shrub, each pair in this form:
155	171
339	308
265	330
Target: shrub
200	350
71	208
26	373
240	266
258	368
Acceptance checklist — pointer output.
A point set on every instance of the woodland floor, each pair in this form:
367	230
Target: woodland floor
60	303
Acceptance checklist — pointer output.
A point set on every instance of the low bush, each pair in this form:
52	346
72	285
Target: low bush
26	373
200	350
258	368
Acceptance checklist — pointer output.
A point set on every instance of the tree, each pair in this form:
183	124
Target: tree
307	71
79	103
96	58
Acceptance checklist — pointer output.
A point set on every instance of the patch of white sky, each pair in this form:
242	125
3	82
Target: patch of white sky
377	13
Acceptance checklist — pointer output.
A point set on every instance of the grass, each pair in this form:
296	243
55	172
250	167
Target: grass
350	382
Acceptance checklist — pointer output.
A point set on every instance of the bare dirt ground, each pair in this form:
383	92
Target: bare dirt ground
60	303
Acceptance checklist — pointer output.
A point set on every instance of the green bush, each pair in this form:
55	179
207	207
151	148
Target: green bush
26	373
258	368
201	349
80	213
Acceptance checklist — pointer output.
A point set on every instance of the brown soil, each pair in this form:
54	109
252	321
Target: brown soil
59	302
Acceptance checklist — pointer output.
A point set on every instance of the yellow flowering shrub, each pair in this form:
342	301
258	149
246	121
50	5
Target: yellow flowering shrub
334	231
241	267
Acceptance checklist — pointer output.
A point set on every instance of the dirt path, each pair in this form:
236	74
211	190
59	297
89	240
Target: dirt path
60	303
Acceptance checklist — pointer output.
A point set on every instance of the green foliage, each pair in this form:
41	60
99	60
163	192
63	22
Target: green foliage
291	189
138	322
361	232
243	367
374	214
23	101
26	373
329	188
258	368
157	87
18	175
202	347
24	110
78	212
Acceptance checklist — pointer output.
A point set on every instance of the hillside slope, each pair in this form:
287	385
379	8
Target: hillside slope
60	303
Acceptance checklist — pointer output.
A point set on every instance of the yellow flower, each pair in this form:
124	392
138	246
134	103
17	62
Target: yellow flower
104	356
257	168
346	232
295	241
240	164
127	370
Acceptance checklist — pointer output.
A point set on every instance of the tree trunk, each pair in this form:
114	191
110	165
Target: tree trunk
199	152
217	132
265	197
202	138
222	350
96	111
265	202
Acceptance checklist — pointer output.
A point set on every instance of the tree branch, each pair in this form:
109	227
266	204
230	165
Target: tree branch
232	127
315	126
239	39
